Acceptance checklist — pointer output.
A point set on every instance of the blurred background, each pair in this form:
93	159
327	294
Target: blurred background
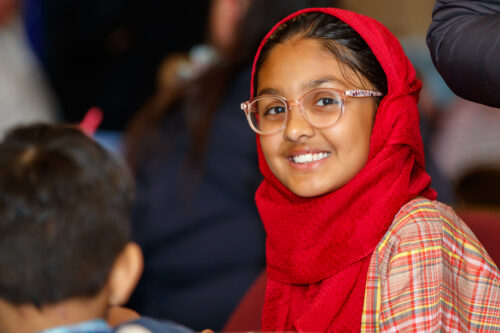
60	58
148	64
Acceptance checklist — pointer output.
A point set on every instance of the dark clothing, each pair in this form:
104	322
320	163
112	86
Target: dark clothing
201	235
106	53
464	41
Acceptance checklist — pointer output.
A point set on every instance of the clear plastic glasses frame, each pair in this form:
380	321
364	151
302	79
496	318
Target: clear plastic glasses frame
249	107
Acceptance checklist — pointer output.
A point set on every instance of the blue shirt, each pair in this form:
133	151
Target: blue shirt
90	326
100	326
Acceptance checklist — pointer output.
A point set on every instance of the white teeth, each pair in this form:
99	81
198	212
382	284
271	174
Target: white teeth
308	158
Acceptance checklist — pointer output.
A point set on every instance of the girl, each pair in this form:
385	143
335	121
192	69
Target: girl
355	239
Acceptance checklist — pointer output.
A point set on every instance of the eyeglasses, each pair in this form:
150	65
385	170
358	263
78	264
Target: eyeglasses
267	114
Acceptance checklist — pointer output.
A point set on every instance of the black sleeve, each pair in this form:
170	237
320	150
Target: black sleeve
464	42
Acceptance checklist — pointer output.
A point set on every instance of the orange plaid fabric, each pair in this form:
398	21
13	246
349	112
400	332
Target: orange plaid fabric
430	273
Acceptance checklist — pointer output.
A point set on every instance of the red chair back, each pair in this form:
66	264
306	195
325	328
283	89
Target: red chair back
486	226
246	316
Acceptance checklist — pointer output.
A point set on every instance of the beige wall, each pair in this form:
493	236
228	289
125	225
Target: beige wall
402	17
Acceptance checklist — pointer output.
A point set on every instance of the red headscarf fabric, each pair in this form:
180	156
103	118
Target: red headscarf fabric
318	249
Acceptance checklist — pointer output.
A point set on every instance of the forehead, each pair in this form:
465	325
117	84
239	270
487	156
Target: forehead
293	63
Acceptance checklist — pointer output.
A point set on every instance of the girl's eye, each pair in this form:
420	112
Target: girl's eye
275	110
326	101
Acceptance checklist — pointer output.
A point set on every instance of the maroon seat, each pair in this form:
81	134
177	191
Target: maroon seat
486	226
246	316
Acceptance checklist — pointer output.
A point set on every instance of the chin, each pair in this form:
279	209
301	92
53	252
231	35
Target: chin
311	189
308	192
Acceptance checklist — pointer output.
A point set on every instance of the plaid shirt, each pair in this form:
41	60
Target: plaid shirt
430	273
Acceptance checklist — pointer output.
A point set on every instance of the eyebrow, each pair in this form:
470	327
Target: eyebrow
307	85
268	91
327	79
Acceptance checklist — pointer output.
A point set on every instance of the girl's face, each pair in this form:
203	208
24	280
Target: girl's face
340	151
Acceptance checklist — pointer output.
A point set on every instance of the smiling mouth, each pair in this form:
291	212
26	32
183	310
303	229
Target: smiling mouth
309	157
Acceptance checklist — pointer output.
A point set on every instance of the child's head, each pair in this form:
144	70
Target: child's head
64	219
321	62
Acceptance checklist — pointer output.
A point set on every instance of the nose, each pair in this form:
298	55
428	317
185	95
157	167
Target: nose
297	128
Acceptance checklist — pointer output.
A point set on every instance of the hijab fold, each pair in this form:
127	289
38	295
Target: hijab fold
319	249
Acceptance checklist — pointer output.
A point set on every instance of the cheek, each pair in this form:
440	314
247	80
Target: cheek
350	140
269	147
360	129
361	145
361	149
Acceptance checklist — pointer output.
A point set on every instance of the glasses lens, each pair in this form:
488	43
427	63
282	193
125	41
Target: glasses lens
268	114
322	107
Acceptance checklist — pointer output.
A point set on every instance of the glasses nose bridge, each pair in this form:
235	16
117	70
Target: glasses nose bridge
298	103
294	102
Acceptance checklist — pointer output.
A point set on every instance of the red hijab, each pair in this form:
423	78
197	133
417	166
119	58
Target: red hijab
319	249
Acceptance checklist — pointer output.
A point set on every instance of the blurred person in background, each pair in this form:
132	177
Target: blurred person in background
464	42
466	146
196	170
24	93
468	142
434	96
105	53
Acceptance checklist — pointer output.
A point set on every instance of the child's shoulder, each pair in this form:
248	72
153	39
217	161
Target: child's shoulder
148	325
423	223
430	229
428	219
429	254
